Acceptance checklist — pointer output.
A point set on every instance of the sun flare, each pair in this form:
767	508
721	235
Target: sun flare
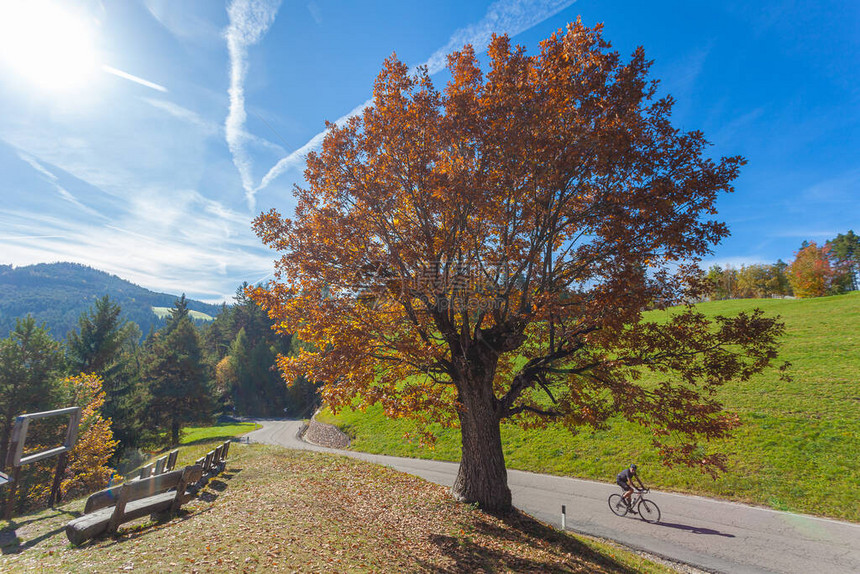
47	45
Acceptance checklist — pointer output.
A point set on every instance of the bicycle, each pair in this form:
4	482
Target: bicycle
648	511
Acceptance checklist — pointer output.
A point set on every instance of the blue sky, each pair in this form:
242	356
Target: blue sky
141	137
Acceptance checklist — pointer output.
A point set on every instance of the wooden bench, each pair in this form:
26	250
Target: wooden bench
108	496
215	460
163	464
157	495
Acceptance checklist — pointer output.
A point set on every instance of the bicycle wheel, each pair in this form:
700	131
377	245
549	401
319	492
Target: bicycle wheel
649	511
617	505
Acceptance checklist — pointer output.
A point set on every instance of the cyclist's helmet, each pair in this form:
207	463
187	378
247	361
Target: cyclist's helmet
633	466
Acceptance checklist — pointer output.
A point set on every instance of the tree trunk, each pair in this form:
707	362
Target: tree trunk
174	431
482	477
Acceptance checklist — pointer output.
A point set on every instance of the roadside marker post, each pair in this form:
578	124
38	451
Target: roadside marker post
563	518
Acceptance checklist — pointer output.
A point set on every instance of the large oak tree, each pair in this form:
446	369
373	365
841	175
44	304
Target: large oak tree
486	253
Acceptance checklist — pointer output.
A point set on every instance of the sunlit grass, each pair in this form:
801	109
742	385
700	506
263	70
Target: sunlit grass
798	448
164	312
220	431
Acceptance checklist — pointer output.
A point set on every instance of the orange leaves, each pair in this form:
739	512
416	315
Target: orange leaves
811	274
87	469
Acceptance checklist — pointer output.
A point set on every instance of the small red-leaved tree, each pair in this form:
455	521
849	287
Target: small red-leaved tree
486	252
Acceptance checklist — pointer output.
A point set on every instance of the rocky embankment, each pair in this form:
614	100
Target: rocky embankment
322	434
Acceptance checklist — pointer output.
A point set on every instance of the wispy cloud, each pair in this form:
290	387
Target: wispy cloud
54	180
736	262
133	78
799	233
315	11
509	17
184	114
296	159
502	17
190	243
841	189
208	128
249	22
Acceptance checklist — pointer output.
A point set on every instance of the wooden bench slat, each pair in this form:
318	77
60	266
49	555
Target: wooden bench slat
102	499
146	471
153	485
171	460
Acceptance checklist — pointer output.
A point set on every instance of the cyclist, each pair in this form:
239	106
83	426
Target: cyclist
625	481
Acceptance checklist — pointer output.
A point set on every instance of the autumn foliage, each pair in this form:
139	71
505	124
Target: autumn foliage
486	252
811	274
88	468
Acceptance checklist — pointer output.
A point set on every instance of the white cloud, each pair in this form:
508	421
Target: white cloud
509	17
169	240
249	21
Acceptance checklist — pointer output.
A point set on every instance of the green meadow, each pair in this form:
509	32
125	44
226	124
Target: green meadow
798	448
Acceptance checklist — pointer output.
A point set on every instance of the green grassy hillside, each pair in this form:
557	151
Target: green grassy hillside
798	448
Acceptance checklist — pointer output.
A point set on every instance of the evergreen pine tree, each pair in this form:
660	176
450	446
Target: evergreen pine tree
177	380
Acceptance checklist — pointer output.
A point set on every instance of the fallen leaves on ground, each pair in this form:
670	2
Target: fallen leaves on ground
276	510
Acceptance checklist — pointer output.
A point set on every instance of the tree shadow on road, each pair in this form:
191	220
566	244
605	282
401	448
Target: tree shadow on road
518	543
695	529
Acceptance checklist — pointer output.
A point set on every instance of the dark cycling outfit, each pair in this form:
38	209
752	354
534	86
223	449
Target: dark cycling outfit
622	479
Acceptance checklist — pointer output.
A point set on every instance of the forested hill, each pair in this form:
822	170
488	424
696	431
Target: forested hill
57	294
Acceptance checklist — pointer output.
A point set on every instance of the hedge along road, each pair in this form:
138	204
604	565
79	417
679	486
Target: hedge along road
710	534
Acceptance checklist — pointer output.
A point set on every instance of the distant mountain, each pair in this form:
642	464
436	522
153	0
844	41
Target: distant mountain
57	294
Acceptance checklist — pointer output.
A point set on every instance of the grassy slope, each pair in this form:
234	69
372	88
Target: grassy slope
217	432
164	312
276	510
798	449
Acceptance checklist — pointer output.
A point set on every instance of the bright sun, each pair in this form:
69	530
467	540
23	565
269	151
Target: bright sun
47	45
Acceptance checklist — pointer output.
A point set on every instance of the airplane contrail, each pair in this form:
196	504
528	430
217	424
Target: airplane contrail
133	78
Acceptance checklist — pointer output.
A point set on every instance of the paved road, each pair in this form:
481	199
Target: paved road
709	534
